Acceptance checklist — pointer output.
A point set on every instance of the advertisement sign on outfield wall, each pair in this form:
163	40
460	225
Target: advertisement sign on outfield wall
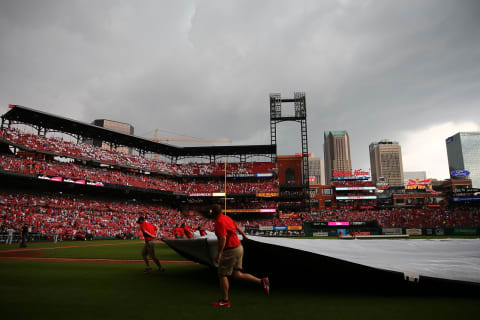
414	232
320	234
294	227
392	231
346	223
265	228
465	231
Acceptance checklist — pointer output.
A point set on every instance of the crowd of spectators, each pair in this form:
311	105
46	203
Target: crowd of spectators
72	216
258	204
108	176
86	151
404	217
215	186
248	168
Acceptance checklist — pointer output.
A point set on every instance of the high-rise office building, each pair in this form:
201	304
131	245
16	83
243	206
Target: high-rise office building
336	148
317	170
386	162
463	151
115	126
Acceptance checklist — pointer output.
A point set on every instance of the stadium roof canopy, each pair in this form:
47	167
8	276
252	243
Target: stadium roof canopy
40	119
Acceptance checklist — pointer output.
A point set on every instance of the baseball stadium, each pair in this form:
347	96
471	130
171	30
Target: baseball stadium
74	195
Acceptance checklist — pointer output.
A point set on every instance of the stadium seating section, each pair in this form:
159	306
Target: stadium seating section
89	152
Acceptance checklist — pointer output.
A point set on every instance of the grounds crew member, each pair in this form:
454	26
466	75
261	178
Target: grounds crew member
150	234
230	255
24	236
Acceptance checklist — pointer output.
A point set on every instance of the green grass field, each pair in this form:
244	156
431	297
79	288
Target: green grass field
81	290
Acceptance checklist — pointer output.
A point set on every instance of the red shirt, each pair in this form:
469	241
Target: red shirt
178	231
188	232
225	226
150	228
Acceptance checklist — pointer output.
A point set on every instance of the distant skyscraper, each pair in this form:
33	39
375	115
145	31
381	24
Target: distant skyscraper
115	126
386	162
317	170
414	175
336	148
463	150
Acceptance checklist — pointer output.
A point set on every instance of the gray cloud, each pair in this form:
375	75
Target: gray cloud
202	68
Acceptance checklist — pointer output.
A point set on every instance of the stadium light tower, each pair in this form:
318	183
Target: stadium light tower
300	115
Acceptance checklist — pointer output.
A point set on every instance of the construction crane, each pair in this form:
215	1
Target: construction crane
157	139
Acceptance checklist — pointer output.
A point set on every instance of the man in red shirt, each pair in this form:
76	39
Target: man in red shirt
179	232
188	232
229	256
150	234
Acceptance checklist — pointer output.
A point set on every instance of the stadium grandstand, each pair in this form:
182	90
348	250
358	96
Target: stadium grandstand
53	179
49	161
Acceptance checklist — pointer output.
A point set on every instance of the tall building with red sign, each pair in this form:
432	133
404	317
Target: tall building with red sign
336	148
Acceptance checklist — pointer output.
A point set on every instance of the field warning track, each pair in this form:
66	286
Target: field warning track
18	258
35	254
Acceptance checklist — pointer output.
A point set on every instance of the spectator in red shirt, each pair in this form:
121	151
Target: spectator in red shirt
229	256
179	233
188	232
150	234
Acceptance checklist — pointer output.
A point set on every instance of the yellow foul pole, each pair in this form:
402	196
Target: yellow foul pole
225	185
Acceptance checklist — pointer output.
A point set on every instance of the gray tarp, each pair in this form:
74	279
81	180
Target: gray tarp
451	259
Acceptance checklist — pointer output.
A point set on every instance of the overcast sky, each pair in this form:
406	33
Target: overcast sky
404	70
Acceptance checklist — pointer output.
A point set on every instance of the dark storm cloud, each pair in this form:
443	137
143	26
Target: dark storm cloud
202	68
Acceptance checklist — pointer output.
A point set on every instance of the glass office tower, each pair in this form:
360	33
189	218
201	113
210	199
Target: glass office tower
463	150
